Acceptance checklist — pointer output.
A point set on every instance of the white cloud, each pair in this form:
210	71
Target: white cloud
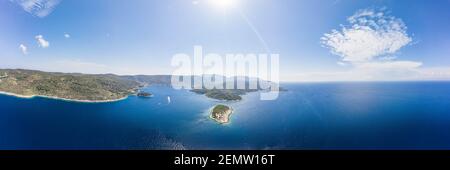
436	73
341	63
24	49
402	71
369	44
41	41
39	8
195	2
66	35
389	65
371	34
389	70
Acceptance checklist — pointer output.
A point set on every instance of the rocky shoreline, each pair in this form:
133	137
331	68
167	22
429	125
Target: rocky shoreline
221	114
64	99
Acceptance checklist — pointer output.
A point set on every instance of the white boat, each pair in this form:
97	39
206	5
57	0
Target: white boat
168	99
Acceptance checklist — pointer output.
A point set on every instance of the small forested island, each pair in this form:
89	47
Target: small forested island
233	94
227	94
221	113
144	94
222	94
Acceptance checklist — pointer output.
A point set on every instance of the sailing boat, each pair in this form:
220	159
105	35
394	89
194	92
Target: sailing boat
168	99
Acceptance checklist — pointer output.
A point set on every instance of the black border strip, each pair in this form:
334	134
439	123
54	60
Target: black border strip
282	159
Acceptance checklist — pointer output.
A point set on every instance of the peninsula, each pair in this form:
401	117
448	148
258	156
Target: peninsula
67	86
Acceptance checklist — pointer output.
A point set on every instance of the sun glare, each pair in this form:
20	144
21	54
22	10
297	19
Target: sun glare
223	4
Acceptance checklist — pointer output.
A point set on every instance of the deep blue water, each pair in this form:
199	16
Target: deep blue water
401	115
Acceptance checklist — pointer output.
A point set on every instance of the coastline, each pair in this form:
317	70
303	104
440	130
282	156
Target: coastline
63	99
228	116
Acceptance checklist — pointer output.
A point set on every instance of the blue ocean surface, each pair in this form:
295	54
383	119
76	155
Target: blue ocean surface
381	115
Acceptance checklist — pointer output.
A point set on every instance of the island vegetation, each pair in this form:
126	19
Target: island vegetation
221	113
71	86
144	94
222	94
234	93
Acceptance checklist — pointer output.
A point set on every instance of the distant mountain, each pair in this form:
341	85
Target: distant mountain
97	87
150	79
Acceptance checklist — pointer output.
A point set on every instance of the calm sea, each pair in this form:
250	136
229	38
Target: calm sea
401	115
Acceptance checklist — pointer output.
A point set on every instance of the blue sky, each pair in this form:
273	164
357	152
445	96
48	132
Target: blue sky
141	36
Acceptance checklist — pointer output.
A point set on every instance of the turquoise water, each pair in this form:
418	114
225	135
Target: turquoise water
406	115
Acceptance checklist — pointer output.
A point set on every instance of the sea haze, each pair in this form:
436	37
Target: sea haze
382	115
